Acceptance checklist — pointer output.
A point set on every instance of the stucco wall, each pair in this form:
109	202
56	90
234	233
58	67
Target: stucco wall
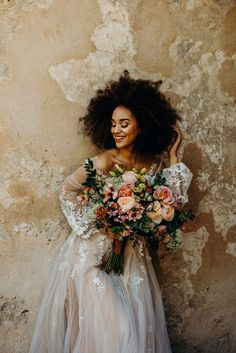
54	55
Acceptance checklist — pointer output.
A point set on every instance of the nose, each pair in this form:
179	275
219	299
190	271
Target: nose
116	129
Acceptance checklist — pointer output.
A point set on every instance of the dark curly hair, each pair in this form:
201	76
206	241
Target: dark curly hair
148	105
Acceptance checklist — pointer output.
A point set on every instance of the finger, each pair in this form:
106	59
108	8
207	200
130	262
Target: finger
176	128
178	131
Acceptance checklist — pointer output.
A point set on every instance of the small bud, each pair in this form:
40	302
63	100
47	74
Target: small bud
113	174
119	168
143	171
142	178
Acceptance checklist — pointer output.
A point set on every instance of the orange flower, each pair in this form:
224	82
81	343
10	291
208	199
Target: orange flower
100	212
125	190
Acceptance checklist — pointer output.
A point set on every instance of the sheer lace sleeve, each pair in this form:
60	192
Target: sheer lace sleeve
72	206
179	178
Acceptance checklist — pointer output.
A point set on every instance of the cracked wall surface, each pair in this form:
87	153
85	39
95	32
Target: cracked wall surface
55	54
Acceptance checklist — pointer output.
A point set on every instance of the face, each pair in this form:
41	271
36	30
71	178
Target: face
124	127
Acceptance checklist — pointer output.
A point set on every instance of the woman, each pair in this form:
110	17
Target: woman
84	309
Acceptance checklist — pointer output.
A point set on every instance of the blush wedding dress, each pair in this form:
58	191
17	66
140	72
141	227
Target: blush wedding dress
84	309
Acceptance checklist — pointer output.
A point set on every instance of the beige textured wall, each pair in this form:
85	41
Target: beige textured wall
54	55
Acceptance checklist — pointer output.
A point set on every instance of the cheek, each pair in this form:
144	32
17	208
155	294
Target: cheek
132	131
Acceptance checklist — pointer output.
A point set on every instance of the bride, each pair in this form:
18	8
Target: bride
84	309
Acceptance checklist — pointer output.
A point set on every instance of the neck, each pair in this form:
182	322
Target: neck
127	155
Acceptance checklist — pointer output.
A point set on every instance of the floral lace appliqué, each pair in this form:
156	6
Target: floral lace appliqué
101	247
82	252
74	271
99	284
135	282
75	217
140	248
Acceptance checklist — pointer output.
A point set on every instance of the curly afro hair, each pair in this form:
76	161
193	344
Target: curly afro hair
148	105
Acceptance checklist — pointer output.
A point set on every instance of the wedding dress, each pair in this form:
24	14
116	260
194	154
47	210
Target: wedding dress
84	309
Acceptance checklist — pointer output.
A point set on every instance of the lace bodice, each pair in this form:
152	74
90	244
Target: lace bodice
178	177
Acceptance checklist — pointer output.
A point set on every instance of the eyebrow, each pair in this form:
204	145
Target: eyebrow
124	119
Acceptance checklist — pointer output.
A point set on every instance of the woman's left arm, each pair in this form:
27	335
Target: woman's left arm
178	175
173	149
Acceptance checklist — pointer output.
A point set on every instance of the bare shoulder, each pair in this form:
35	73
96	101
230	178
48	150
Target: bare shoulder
104	160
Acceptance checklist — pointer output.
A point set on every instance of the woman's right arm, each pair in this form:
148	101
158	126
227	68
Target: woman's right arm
72	206
72	186
71	198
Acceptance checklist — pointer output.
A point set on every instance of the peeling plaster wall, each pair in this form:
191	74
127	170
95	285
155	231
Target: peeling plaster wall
54	55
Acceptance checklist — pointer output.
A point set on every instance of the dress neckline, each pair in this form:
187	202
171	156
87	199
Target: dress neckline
149	170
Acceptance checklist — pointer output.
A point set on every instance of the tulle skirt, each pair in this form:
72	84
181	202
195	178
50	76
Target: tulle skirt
85	310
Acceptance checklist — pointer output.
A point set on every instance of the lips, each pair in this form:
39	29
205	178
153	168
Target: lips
119	138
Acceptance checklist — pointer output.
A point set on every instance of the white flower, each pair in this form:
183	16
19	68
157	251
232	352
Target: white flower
129	177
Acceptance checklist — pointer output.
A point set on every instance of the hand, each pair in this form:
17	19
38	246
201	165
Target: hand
108	232
173	148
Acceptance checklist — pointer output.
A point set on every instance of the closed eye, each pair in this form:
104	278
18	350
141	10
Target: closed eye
122	125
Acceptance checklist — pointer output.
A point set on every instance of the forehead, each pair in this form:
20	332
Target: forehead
122	113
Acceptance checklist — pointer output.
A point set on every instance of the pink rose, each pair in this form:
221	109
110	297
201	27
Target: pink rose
167	213
165	195
162	193
129	177
126	203
125	190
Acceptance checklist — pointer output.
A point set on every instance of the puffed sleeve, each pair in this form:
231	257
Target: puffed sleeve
179	177
72	207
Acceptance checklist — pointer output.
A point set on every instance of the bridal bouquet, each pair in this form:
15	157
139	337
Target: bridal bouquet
128	205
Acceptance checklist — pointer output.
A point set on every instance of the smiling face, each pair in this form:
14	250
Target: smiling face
124	127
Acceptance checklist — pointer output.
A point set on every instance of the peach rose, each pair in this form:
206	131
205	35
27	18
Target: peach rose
155	215
156	206
126	203
125	190
167	213
129	177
